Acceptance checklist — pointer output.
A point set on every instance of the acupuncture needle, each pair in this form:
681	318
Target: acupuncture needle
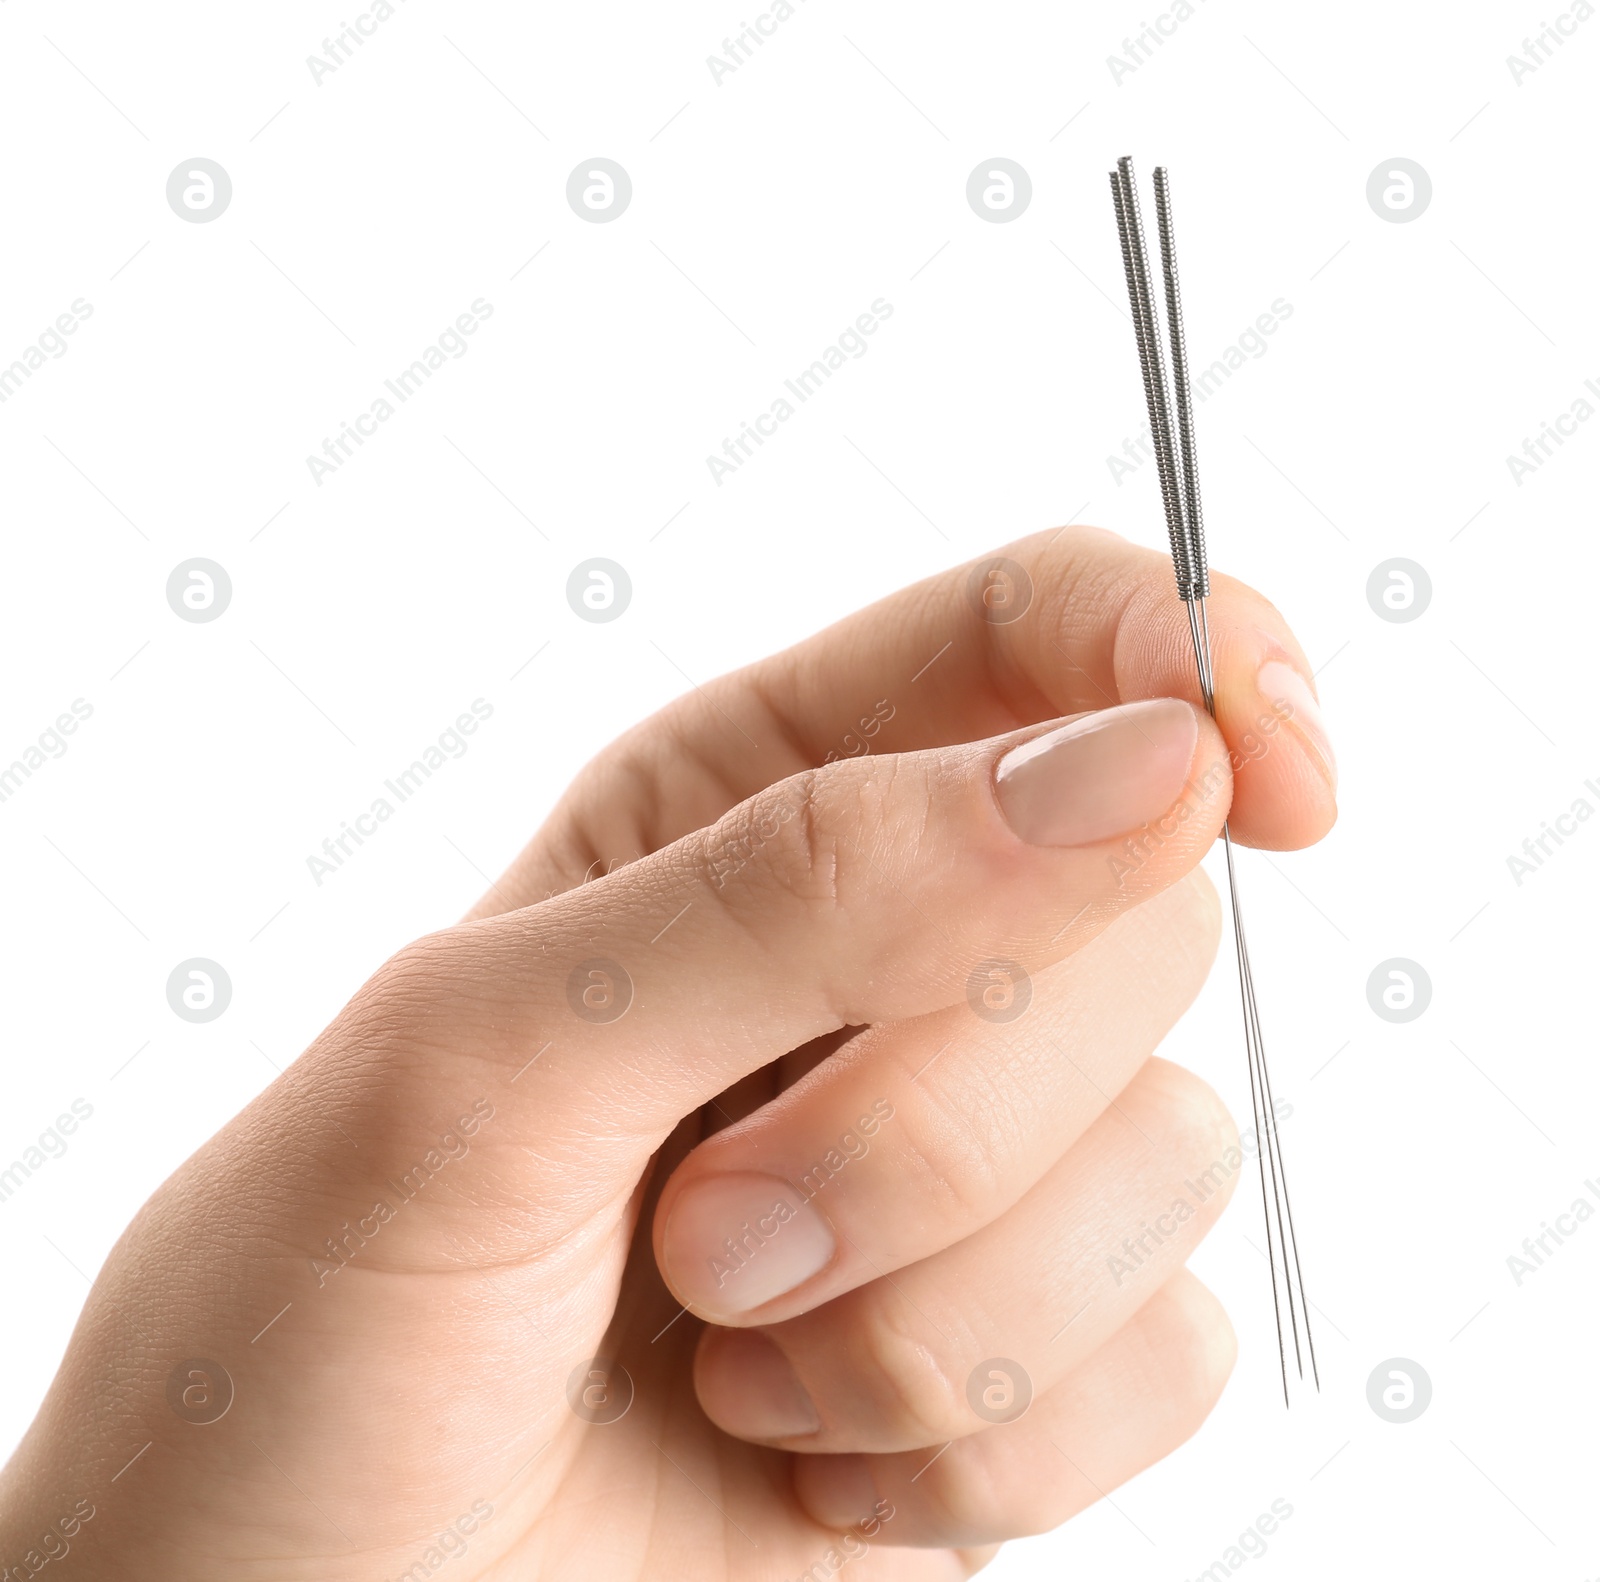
1180	499
1172	435
1199	571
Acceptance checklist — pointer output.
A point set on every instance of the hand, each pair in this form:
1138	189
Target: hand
757	1055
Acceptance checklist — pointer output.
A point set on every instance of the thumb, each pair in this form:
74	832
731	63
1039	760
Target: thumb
869	890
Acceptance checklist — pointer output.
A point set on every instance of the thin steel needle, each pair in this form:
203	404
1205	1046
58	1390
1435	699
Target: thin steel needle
1172	434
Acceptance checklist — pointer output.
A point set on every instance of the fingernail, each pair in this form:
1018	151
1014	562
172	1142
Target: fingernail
840	1490
1283	685
1100	775
750	1389
734	1242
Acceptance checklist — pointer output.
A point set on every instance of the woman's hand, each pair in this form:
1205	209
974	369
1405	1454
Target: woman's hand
791	1097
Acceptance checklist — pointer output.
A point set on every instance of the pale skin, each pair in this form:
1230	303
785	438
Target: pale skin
800	938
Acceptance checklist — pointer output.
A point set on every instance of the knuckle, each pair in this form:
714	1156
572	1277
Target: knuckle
409	1003
784	837
411	976
970	1500
957	1142
806	862
920	1401
799	839
431	966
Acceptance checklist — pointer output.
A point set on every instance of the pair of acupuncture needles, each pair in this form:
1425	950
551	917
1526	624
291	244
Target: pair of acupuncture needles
1172	435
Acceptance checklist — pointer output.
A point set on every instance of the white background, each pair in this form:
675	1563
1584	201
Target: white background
767	213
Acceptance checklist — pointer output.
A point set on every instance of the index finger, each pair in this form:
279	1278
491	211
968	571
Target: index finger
1059	622
1055	624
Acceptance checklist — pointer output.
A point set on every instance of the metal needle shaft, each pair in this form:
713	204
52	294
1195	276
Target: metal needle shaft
1173	440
